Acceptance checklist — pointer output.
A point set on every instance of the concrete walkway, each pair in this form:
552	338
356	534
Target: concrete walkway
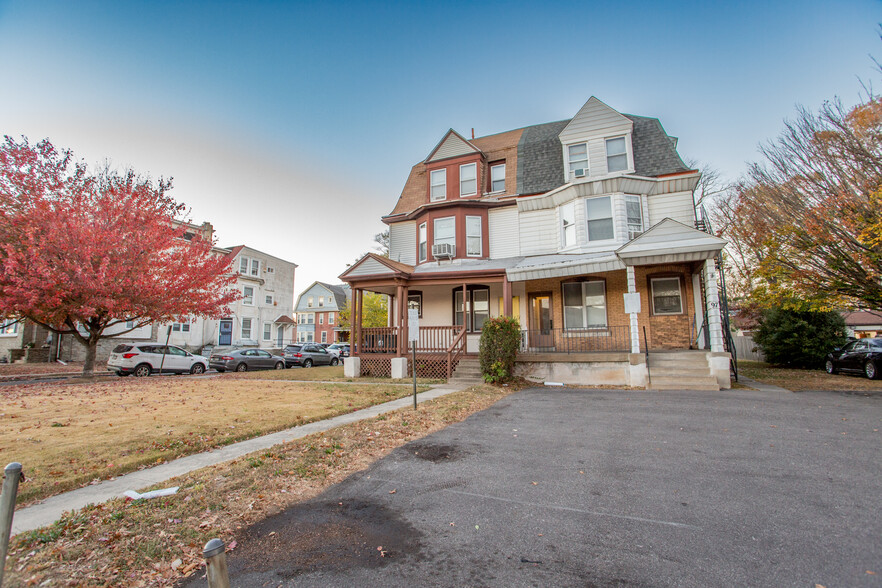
762	386
51	509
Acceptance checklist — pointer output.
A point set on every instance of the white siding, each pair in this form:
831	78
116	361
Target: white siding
503	226
677	206
538	234
452	146
370	266
595	119
402	242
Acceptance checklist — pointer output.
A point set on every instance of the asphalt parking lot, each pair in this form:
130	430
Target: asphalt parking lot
564	487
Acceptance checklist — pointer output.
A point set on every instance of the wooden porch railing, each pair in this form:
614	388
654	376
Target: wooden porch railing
379	340
436	343
456	349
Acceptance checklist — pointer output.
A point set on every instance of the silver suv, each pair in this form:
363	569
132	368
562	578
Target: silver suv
144	359
307	355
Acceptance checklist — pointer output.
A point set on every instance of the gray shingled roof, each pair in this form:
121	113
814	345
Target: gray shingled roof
540	160
654	152
340	291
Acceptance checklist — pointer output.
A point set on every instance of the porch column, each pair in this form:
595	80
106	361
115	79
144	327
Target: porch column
712	300
404	344
358	305
635	328
506	296
397	323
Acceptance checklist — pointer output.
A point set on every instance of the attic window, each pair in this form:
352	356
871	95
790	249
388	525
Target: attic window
578	158
438	185
616	155
497	178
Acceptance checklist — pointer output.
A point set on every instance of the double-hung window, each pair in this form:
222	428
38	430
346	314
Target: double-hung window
666	296
438	185
246	328
497	178
468	179
445	231
255	267
578	158
243	265
423	243
568	224
616	155
330	318
600	218
309	302
269	299
321	318
267	331
321	300
415	301
476	310
248	295
473	236
585	305
634	212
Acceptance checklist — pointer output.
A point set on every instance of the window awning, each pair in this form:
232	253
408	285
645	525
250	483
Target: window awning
556	266
670	242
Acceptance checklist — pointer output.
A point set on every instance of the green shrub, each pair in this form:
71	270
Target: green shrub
799	338
500	338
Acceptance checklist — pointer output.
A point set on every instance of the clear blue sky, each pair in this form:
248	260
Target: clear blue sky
292	126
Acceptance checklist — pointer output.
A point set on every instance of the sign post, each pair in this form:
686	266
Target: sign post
413	335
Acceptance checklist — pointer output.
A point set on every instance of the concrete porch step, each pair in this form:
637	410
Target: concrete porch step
681	383
676	371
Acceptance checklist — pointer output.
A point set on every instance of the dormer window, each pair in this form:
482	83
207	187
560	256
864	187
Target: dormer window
439	185
468	179
578	159
497	178
616	155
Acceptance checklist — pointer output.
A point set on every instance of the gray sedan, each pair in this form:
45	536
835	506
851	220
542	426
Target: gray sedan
243	360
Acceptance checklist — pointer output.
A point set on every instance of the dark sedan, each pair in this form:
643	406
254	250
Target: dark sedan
243	360
860	356
307	355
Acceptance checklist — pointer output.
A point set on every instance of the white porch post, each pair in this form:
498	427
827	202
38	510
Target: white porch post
635	329
712	300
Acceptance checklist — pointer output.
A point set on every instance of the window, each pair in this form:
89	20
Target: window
321	300
130	324
584	305
309	302
310	318
178	327
248	295
600	222
616	156
666	297
267	331
415	301
255	267
246	328
445	230
473	236
468	179
269	298
439	185
423	243
634	212
321	318
578	158
330	301
568	224
324	336
477	308
309	336
270	270
243	265
9	327
301	318
331	318
497	178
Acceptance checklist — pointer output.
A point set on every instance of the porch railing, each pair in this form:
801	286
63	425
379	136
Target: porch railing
379	340
456	349
432	339
576	340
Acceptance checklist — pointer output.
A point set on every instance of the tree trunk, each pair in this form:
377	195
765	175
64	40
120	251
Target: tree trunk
91	351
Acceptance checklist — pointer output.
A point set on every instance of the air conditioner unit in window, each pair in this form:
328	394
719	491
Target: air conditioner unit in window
443	251
580	172
633	234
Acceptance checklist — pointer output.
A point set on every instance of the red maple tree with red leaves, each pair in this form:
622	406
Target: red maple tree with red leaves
82	252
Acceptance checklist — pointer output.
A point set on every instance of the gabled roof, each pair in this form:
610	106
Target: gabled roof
655	153
451	145
862	318
340	292
376	265
669	242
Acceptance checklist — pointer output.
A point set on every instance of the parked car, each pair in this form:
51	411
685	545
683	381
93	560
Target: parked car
341	350
307	355
859	356
144	359
243	360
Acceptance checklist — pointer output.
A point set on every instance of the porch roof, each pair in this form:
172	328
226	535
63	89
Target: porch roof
554	266
670	242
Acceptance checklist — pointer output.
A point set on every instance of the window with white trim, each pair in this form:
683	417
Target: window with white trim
584	305
9	328
331	318
309	302
577	156
243	265
321	318
438	179
324	336
130	324
246	328
181	327
269	299
468	179
321	300
568	224
474	241
415	302
497	178
616	155
248	295
309	337
423	248
267	331
600	218
634	212
270	270
477	308
445	230
255	267
666	296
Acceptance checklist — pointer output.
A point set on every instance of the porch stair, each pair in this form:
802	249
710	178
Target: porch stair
680	370
468	371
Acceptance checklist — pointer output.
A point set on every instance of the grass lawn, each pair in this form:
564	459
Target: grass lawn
806	380
17	369
324	373
66	435
158	542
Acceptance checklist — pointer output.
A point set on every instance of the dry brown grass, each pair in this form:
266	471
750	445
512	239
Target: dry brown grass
67	435
18	369
157	542
807	380
324	373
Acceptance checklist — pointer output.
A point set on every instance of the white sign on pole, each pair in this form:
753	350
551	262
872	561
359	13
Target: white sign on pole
632	302
413	325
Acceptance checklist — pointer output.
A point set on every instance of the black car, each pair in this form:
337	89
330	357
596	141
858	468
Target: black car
859	356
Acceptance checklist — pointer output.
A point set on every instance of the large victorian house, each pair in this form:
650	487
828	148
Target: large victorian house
583	229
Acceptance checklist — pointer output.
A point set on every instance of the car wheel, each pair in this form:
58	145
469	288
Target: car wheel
334	361
197	368
871	370
280	365
220	370
831	369
142	371
307	363
241	368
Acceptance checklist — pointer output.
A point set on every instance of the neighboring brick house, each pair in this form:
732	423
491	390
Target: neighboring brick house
318	313
583	229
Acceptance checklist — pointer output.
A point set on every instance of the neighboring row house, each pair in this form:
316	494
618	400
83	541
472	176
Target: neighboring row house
318	313
582	229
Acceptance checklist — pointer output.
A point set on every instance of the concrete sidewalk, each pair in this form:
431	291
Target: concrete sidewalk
51	509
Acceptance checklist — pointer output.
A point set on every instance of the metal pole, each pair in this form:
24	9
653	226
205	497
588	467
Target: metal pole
216	564
165	349
414	375
7	509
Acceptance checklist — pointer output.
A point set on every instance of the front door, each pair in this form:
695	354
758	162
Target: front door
281	335
226	332
541	334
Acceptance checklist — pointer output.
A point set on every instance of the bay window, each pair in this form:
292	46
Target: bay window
468	179
584	305
445	231
634	212
600	221
423	244
473	236
568	224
